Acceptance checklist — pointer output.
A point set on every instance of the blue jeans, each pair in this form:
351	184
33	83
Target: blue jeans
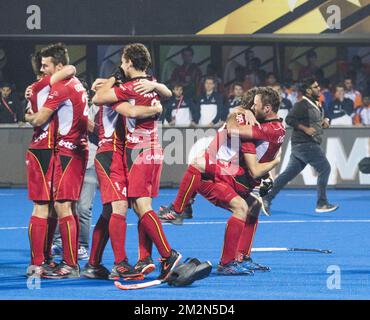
303	154
84	208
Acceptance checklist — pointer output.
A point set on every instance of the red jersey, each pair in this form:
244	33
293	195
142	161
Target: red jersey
43	136
141	133
266	143
227	152
68	98
111	129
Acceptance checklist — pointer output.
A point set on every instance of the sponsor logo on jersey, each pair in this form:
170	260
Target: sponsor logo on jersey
42	136
67	144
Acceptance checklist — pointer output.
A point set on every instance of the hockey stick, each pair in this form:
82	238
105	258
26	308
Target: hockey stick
135	286
326	251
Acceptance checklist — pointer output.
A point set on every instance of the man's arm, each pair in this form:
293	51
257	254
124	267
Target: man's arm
104	94
39	118
145	86
138	112
65	73
294	119
257	169
233	127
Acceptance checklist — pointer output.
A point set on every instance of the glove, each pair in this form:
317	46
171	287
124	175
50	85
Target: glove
265	186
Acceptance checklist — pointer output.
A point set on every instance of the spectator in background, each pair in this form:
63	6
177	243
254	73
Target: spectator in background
285	104
211	72
311	68
209	109
188	74
362	115
234	99
271	80
351	93
361	73
11	108
326	95
290	92
178	110
254	76
340	110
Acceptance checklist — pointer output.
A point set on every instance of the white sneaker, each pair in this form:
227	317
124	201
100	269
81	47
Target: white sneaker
82	253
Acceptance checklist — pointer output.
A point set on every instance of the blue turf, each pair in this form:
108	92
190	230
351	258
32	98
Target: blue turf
294	275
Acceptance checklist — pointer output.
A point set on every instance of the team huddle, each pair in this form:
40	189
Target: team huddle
128	164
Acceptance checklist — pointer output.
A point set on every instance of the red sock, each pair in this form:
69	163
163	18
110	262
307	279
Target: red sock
99	241
247	237
37	234
145	243
153	228
78	227
189	184
68	232
50	231
117	234
234	228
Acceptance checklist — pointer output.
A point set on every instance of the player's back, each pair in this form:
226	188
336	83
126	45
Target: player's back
141	133
269	143
69	99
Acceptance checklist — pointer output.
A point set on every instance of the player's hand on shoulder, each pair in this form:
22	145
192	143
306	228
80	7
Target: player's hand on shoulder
28	93
98	83
250	118
144	86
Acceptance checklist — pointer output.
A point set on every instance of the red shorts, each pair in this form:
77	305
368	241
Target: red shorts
145	167
39	168
220	194
69	172
111	170
239	182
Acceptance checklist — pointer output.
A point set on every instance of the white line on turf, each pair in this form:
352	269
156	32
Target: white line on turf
224	222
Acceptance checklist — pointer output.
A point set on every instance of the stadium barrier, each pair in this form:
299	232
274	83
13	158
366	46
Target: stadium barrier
344	147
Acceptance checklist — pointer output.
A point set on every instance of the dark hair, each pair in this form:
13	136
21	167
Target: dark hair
177	85
269	96
188	49
58	53
36	63
237	84
247	100
138	54
210	78
306	84
339	85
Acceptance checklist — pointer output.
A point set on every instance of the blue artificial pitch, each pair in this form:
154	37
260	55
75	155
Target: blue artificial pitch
294	275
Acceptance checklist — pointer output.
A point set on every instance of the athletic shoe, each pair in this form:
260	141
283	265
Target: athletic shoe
82	253
49	264
250	265
326	207
188	211
63	271
95	272
56	250
124	270
34	270
168	264
145	266
266	207
233	268
167	214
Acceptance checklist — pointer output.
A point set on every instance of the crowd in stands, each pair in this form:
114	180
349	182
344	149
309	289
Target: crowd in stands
204	100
